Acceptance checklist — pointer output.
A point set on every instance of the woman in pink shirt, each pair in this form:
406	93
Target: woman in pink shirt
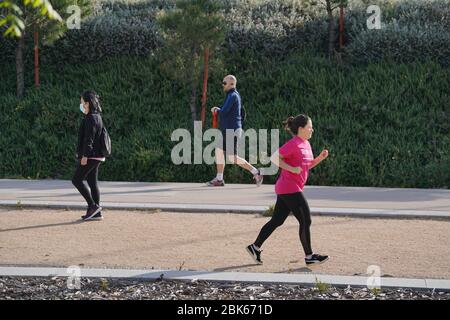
295	158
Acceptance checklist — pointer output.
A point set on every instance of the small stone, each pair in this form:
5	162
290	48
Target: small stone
254	288
265	294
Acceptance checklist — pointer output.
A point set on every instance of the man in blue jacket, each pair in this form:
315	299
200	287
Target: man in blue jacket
230	117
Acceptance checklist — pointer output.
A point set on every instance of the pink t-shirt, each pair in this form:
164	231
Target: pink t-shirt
296	153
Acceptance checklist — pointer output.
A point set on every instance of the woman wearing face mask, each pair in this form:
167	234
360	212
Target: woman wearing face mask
89	154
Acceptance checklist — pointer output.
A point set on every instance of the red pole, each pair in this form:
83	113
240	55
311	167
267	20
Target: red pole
341	27
205	86
214	122
36	57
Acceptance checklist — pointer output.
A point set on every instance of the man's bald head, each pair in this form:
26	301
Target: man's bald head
229	82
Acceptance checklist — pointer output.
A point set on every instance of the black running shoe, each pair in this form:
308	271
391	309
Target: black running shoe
254	253
98	216
92	212
316	259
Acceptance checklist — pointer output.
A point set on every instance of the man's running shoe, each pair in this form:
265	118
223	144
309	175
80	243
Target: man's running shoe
258	178
215	183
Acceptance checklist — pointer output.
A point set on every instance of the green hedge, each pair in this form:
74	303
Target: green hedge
384	124
413	30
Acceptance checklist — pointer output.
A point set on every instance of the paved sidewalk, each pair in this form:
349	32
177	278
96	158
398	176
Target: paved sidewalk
196	197
138	237
247	277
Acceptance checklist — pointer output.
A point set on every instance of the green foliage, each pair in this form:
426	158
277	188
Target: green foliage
14	11
115	28
385	125
267	28
376	291
269	211
411	31
322	286
52	30
190	29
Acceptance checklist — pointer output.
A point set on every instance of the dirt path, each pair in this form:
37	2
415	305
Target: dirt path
401	248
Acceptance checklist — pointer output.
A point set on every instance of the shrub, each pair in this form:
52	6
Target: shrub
386	125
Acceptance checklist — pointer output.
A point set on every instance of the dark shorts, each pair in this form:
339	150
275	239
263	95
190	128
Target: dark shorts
232	147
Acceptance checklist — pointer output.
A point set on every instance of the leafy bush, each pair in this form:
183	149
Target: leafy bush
411	31
384	124
116	28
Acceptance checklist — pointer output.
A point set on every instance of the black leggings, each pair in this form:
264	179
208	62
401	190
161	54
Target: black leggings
88	172
287	203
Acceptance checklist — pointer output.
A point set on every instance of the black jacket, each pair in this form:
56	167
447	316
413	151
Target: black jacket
89	136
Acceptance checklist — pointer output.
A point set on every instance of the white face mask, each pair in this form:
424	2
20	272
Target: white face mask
82	108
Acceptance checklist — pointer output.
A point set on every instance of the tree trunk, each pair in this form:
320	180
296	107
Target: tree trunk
205	86
36	57
20	66
194	103
331	34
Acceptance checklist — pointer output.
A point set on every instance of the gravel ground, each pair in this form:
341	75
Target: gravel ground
38	288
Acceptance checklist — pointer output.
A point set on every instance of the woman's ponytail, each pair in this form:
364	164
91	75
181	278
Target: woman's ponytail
292	124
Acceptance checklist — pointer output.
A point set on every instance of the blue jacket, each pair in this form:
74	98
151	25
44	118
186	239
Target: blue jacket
230	114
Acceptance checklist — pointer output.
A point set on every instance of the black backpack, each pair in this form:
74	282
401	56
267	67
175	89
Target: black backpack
105	143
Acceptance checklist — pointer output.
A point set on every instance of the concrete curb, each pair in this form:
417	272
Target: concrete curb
247	277
210	208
